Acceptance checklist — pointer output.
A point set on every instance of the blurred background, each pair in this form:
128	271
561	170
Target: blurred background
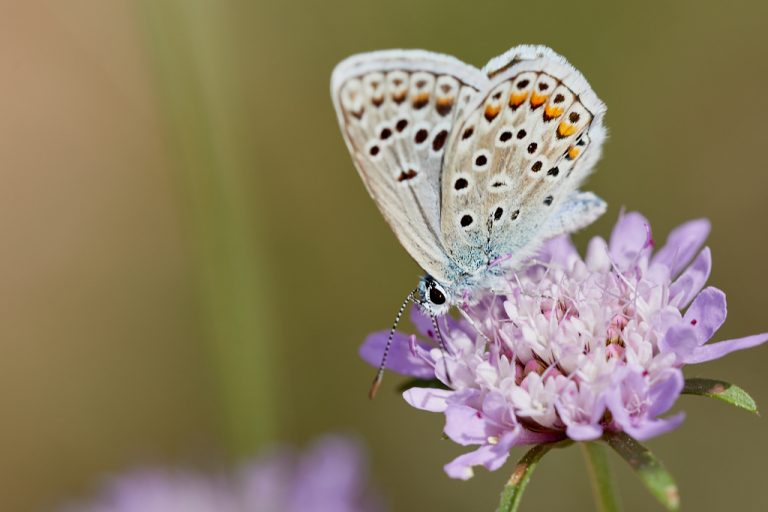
190	261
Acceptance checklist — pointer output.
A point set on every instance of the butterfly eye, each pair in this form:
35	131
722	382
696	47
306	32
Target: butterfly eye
436	296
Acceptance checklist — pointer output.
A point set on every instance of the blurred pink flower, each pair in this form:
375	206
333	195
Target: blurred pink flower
572	347
329	477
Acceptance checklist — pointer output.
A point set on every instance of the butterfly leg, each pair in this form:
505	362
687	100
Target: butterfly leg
473	324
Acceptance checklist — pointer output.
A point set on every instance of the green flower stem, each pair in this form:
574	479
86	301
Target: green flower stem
606	496
196	64
512	494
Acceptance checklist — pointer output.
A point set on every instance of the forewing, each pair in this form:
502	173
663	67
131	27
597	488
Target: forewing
517	157
397	109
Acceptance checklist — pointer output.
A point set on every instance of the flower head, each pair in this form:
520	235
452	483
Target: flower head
572	346
330	476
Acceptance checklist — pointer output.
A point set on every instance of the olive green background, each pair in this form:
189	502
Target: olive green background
189	261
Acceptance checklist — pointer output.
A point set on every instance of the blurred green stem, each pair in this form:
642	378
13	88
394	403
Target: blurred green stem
606	496
197	69
512	493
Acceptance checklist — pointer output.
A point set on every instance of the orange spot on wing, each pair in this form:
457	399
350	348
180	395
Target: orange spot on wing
517	98
564	129
552	111
399	97
573	152
491	111
420	99
537	99
444	105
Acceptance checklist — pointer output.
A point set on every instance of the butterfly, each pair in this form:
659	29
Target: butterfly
472	168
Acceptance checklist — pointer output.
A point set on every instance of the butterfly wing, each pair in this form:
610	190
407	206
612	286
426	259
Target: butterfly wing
578	211
397	109
516	159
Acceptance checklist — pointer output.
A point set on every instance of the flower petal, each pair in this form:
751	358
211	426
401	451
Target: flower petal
421	351
718	350
581	409
707	313
559	250
681	246
490	456
629	378
632	385
401	358
628	238
581	432
465	425
653	428
421	321
685	288
498	409
665	391
598	259
428	399
680	340
424	326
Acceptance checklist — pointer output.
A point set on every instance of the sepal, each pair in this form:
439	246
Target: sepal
721	390
648	468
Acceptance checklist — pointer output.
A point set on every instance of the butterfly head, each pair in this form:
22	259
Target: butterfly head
434	296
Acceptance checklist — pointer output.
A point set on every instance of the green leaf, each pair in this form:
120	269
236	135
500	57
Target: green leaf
421	383
603	487
650	470
725	391
512	494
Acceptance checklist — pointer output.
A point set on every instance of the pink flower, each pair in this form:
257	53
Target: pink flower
331	477
572	346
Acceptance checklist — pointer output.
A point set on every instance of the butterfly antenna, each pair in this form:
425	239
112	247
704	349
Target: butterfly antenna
383	364
443	348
